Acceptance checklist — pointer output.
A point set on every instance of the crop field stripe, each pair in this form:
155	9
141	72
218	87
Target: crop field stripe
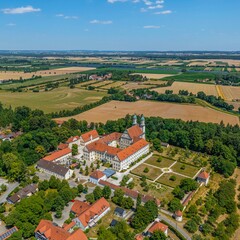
220	92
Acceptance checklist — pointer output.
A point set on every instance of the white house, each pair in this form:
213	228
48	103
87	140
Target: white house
158	226
96	176
93	214
54	169
60	156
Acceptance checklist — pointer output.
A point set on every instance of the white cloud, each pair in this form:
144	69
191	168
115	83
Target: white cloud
20	10
114	1
151	27
163	12
67	17
11	24
100	22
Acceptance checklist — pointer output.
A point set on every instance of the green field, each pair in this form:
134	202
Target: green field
165	179
185	169
62	98
191	77
165	162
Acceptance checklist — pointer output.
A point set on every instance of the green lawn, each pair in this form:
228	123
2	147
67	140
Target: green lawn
185	169
165	162
62	98
152	174
165	179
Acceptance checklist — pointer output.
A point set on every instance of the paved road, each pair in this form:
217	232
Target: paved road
175	226
10	188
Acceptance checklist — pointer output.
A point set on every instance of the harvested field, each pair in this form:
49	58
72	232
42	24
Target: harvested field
153	76
7	75
58	99
152	174
165	179
133	85
231	93
116	109
165	162
153	82
185	169
191	87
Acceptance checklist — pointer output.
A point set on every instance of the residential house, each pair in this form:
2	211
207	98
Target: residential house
23	193
93	214
158	226
79	207
54	169
96	176
120	212
46	230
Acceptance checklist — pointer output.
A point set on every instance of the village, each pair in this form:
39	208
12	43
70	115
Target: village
111	163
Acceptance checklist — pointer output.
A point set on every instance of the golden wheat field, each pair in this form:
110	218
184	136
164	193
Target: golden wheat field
115	110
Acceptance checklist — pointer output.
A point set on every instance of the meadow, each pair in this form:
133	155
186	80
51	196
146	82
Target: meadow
55	100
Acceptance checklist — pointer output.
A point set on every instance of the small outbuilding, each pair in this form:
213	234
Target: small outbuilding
178	215
203	177
113	223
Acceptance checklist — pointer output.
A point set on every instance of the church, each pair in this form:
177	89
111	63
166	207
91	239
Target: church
119	149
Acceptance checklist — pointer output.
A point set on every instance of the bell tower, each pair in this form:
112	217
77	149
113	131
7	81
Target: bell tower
143	127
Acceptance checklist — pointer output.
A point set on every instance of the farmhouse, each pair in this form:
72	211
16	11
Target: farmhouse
54	169
60	156
132	146
158	226
93	214
48	231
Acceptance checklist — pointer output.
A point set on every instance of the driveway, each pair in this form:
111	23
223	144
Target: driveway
10	188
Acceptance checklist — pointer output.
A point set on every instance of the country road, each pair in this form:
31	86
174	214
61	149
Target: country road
174	225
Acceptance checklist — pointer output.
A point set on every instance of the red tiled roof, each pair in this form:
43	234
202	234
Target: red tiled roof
96	208
52	232
87	136
110	138
73	139
130	193
139	237
134	131
158	226
62	146
178	213
79	207
125	153
57	154
100	147
203	175
97	174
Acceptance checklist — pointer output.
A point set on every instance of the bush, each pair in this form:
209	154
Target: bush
146	170
173	178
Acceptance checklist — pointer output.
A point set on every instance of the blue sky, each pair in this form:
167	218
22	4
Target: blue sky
119	25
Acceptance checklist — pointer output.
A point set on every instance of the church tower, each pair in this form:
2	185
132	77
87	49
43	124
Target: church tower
143	127
134	120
